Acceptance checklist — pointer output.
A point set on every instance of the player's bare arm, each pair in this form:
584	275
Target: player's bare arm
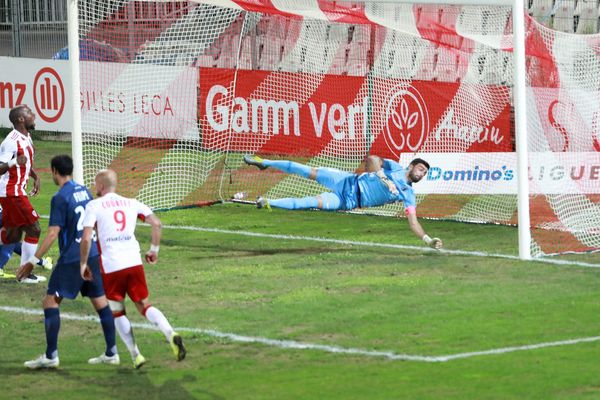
19	160
415	226
51	235
152	254
84	252
36	183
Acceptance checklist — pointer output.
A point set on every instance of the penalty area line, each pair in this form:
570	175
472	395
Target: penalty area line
295	345
374	244
385	245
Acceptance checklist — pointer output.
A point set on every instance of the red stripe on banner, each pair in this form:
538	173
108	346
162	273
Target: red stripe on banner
541	66
349	13
428	21
262	6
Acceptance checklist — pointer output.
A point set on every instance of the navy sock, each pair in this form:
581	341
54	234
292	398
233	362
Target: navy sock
108	327
17	248
52	325
5	253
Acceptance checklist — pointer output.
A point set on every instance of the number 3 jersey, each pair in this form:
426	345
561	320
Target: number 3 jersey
115	217
67	210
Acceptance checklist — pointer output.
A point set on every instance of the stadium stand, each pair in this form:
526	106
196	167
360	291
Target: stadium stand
564	12
274	42
586	13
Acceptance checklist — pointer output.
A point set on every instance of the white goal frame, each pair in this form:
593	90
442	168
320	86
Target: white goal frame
519	99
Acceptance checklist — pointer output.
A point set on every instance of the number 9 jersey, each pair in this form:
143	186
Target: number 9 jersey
114	217
67	210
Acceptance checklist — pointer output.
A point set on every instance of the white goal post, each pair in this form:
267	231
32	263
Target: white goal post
172	94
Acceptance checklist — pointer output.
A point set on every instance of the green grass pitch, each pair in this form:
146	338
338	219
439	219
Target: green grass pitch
380	302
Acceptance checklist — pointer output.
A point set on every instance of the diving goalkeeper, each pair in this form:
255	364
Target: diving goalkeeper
385	181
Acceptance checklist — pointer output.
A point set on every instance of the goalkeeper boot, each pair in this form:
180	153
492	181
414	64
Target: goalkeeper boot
262	202
255	160
104	359
139	361
42	362
176	343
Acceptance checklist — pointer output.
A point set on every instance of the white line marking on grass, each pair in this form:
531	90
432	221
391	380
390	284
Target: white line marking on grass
292	344
374	244
386	245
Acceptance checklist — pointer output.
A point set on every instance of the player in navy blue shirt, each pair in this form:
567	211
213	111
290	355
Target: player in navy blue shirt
384	182
66	223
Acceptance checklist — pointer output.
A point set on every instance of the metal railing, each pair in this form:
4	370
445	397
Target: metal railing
32	28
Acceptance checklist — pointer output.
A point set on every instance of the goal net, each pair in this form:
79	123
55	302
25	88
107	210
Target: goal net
173	94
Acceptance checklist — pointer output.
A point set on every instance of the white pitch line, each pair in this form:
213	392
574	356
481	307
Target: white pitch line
374	244
292	344
386	245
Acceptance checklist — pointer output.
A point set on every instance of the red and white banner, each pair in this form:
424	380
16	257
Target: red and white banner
138	100
409	116
150	101
418	20
569	118
41	84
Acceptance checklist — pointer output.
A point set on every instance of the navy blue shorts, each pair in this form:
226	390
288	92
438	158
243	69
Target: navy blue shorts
66	281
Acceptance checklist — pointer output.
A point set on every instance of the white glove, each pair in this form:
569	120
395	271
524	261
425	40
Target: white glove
434	243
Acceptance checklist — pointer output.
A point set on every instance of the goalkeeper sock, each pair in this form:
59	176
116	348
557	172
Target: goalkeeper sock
289	167
52	326
123	326
108	328
155	316
295	204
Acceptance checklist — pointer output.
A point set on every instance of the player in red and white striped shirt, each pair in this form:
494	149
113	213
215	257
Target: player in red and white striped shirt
16	166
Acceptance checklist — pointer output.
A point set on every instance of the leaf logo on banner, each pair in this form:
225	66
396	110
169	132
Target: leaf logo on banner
403	119
407	120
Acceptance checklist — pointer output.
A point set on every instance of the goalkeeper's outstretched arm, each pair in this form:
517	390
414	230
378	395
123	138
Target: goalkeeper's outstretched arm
417	229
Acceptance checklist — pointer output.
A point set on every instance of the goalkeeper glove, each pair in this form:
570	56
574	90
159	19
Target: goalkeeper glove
434	243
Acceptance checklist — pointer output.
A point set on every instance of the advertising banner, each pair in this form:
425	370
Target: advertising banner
149	101
485	173
41	84
302	114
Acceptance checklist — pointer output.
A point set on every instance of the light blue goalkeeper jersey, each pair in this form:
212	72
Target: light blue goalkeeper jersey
373	191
